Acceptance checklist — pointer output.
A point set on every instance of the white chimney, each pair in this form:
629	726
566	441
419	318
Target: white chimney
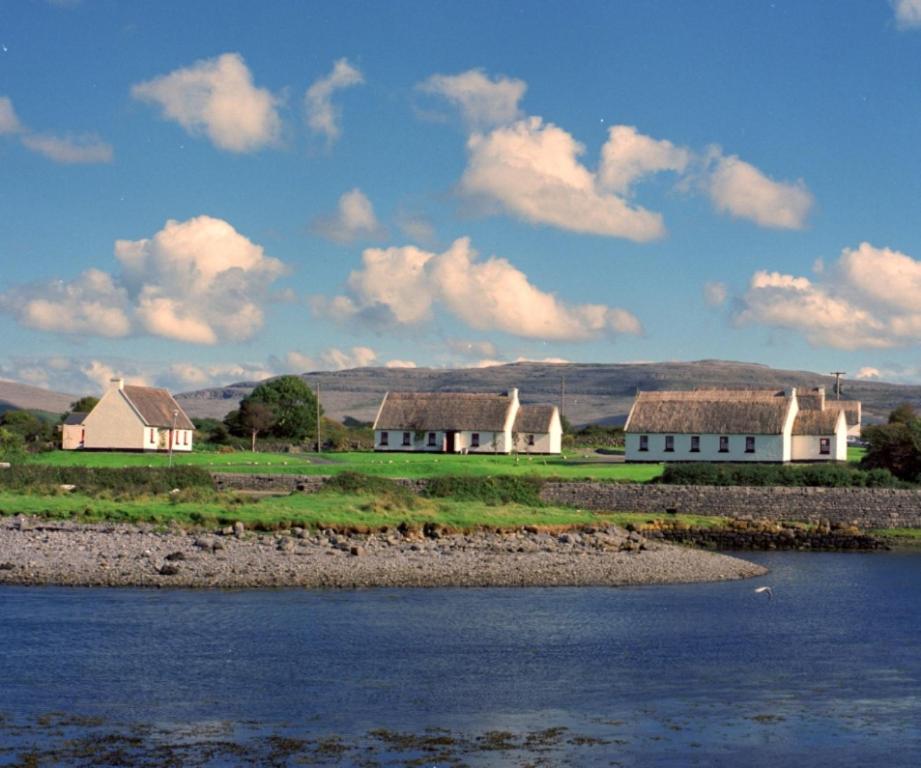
513	394
116	383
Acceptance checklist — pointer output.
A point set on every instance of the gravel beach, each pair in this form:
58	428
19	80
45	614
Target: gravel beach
38	551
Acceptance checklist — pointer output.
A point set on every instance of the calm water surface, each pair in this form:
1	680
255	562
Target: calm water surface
827	673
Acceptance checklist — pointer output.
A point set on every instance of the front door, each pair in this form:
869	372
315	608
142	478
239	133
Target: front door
450	440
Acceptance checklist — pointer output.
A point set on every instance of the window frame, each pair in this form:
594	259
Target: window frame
695	444
407	440
749	444
824	446
431	440
669	444
474	439
724	444
530	441
644	443
385	438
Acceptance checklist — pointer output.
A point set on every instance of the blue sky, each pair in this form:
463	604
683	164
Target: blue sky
198	193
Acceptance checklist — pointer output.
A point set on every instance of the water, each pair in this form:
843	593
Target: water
827	673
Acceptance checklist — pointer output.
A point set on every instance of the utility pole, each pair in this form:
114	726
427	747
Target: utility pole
838	375
319	444
562	395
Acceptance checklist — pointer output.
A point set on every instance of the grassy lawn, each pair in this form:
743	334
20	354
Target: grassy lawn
377	464
319	510
855	453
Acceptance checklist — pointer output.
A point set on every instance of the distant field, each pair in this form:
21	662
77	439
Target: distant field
855	454
381	465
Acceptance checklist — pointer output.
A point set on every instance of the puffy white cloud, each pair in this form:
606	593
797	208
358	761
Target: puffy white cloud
71	150
354	220
217	97
472	349
867	299
532	169
907	13
401	286
399	364
868	372
741	190
629	155
198	281
322	115
9	122
483	103
715	293
331	359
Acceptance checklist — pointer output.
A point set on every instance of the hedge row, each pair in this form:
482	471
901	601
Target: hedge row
811	475
135	481
490	490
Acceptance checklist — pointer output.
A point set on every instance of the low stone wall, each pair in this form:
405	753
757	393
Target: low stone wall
864	507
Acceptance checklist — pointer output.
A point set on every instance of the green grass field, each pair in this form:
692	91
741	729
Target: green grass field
413	465
319	510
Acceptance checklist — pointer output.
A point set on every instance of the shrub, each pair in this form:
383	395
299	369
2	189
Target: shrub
386	491
95	481
802	475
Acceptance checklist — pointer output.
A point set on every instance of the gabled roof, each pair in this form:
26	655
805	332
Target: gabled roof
422	411
534	419
851	410
710	411
811	422
156	407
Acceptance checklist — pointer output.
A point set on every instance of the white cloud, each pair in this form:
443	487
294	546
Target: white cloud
629	155
71	150
867	299
331	359
867	372
715	293
354	220
532	169
416	227
472	349
741	190
9	122
217	97
322	115
907	13
402	286
399	364
483	103
198	281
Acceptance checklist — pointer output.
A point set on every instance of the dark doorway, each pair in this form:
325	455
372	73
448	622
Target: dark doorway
450	440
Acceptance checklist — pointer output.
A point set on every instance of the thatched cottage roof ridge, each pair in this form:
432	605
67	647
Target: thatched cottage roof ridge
439	411
711	411
156	407
812	422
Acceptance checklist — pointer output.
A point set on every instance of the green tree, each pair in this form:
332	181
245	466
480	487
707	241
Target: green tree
895	446
12	447
293	405
256	417
28	426
84	404
903	414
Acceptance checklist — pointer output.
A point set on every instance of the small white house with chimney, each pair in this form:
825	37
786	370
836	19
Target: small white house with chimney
131	418
754	425
465	422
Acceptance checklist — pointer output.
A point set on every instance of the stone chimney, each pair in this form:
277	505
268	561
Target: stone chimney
116	383
820	396
513	394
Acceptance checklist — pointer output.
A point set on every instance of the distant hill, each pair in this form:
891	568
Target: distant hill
595	393
22	397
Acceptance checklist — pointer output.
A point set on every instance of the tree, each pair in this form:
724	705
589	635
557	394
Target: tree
256	418
27	425
84	404
895	446
292	403
12	448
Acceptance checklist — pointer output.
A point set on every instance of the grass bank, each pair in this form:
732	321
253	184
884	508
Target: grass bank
411	465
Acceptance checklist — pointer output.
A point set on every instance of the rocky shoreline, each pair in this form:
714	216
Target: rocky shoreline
36	551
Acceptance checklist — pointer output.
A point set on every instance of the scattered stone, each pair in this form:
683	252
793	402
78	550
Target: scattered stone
174	556
6	566
168	570
238	529
67	487
227	530
357	551
285	545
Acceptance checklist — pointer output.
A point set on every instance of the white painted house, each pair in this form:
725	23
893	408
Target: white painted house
738	425
464	422
132	418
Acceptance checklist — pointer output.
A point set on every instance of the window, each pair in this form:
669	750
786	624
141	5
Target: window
749	444
825	446
669	443
475	440
724	444
695	443
153	435
644	442
407	439
431	439
531	440
385	438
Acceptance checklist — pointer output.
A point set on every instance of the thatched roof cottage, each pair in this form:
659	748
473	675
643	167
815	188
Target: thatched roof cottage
739	425
465	422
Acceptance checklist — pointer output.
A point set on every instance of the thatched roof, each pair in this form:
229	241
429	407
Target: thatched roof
811	422
710	411
156	407
532	419
851	410
440	411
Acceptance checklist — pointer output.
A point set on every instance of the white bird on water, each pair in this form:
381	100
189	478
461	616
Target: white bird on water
770	592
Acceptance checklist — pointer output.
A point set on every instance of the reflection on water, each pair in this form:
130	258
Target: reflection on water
827	673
